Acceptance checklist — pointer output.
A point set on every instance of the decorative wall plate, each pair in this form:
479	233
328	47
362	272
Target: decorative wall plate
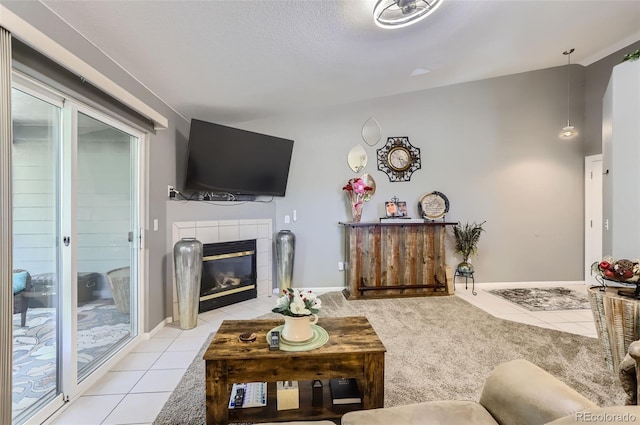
369	181
319	338
399	159
433	206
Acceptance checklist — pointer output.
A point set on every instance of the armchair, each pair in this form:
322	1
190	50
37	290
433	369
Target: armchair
629	373
20	300
515	393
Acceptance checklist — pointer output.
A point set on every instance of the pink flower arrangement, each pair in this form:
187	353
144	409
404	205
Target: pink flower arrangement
358	193
357	190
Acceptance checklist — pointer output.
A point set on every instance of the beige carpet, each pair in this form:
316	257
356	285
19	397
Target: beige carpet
440	348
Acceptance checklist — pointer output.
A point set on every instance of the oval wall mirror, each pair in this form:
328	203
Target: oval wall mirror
357	158
371	132
369	181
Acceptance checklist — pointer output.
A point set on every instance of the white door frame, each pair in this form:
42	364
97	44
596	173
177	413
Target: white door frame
592	215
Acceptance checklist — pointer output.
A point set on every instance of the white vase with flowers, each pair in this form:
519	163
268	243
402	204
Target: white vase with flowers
299	309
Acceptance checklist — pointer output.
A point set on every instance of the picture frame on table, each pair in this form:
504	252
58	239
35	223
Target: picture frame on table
395	208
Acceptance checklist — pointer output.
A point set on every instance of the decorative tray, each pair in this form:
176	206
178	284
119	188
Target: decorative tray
621	273
319	338
628	289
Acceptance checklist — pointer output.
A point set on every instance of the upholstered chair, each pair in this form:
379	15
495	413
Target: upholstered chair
629	373
22	285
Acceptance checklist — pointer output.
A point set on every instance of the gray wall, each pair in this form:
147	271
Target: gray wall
491	146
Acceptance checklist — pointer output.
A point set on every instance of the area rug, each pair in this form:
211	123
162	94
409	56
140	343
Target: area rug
544	299
438	348
100	327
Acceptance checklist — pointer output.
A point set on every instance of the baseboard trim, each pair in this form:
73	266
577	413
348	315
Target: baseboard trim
317	290
158	328
530	284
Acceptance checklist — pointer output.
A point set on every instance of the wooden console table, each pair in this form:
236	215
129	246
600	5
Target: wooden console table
353	351
395	259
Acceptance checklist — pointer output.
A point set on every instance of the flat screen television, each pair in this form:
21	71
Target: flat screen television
223	159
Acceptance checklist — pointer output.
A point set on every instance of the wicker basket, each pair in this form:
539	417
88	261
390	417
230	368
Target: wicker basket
119	282
617	320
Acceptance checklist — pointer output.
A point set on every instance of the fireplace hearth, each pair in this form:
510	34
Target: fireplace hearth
228	274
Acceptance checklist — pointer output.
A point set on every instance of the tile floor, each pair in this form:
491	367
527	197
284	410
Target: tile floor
148	375
578	322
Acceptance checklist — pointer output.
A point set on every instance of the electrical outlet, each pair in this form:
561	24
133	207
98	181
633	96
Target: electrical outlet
170	190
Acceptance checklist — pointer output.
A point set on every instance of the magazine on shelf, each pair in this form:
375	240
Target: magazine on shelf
344	391
252	394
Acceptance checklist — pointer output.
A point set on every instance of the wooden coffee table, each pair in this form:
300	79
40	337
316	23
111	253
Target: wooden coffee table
353	351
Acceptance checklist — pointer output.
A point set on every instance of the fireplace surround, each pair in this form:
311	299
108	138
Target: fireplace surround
215	231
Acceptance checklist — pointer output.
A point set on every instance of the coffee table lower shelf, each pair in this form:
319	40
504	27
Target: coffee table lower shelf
306	411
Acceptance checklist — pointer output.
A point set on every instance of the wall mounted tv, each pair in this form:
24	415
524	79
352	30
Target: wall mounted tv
229	160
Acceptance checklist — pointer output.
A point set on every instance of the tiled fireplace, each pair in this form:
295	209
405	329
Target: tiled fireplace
214	232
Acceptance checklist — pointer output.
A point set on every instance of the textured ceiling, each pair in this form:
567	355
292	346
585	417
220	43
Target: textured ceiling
237	60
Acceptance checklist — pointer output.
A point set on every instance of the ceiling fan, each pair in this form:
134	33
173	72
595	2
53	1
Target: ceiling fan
402	13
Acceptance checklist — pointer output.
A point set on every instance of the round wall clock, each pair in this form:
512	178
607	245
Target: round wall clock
398	158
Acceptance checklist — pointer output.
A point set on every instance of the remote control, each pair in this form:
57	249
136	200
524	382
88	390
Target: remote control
239	398
275	340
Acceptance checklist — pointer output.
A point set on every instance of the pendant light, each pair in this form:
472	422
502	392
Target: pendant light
402	13
568	131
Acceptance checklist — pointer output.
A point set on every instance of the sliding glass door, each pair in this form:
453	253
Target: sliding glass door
36	247
107	240
76	244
